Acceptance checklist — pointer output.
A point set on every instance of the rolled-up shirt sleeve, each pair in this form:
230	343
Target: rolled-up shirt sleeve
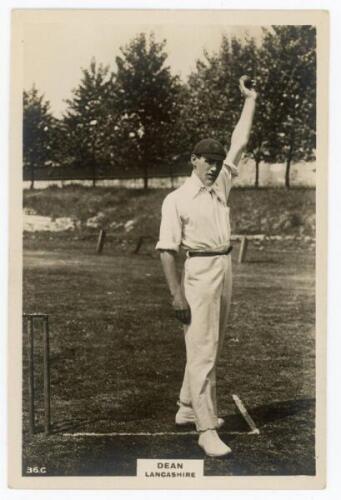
231	168
225	179
170	228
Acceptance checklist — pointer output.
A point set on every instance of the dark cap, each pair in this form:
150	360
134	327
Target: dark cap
211	149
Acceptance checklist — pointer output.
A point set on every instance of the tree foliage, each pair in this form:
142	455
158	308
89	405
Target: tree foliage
88	120
284	67
146	104
141	116
40	132
215	102
289	54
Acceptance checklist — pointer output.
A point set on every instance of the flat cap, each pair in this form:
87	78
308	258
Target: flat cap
210	148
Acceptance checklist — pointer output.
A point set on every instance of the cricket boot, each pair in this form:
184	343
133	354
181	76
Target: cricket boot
212	445
185	415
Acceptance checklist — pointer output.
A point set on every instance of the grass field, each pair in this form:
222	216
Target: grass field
117	359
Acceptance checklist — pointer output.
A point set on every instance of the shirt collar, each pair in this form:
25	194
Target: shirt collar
194	186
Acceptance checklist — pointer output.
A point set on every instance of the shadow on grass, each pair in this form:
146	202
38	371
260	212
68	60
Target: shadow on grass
262	415
265	414
281	409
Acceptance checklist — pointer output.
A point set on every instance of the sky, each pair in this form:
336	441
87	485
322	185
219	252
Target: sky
54	53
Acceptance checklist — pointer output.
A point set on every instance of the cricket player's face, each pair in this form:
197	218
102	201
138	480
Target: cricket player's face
207	169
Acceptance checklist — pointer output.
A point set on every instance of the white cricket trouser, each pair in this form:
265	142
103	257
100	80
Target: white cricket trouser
207	285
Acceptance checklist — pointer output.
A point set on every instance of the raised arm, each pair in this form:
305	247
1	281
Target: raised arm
241	133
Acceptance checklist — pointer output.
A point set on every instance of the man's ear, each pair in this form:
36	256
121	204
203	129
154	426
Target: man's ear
193	160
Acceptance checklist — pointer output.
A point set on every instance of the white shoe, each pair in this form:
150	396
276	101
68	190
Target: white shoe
185	415
212	445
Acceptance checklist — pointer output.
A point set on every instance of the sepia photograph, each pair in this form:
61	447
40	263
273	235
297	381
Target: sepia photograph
167	275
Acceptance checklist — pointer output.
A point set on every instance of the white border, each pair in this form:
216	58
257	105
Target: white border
334	316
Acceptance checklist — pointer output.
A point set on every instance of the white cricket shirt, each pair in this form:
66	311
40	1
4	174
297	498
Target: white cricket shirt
197	218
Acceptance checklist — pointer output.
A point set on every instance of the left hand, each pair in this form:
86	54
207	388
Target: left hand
247	92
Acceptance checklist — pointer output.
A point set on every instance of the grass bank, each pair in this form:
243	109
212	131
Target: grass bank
271	211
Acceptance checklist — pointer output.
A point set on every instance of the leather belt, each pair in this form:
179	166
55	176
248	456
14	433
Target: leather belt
209	254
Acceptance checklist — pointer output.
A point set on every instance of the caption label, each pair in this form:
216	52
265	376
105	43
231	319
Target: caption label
170	469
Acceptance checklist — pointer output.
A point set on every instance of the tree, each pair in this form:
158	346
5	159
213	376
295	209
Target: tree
215	102
38	132
284	68
146	104
211	108
88	120
289	54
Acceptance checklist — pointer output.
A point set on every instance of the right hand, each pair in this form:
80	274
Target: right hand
247	91
181	308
